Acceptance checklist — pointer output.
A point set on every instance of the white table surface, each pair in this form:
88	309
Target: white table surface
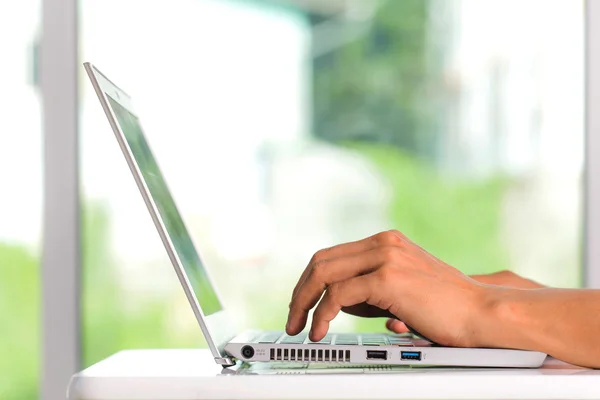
192	374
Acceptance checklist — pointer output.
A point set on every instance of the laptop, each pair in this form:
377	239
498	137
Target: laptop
226	344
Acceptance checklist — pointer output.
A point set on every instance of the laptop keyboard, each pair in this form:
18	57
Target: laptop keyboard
302	338
342	339
269	337
347	339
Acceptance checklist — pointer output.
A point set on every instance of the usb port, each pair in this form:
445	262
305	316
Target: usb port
410	355
376	355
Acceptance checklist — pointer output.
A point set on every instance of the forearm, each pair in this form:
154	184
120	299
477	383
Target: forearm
563	323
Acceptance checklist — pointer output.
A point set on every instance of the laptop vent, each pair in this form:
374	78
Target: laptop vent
312	355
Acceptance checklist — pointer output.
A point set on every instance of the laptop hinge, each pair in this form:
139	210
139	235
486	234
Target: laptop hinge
224	361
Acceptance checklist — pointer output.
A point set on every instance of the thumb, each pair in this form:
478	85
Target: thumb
396	326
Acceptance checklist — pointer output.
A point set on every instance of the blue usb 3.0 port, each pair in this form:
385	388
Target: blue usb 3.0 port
410	355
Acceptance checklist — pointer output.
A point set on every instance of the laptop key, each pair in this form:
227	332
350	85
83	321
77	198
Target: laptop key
298	339
325	340
269	337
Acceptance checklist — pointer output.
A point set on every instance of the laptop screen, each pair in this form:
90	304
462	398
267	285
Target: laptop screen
184	247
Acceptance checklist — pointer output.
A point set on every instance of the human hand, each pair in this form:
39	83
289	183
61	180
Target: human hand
389	275
501	278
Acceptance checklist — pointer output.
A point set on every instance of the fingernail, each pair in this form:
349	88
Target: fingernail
310	334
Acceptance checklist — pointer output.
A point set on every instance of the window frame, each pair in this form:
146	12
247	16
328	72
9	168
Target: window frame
591	217
60	267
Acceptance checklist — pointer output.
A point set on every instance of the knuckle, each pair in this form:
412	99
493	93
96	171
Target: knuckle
334	292
504	276
388	238
319	256
319	271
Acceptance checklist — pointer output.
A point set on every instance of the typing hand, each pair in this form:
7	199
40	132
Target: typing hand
502	278
389	275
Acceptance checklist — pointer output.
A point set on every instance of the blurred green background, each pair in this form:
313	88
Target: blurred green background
354	117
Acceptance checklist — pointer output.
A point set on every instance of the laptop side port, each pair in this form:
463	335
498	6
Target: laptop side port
248	352
376	354
410	355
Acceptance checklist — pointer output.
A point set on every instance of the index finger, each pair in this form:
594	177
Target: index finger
380	239
326	274
342	294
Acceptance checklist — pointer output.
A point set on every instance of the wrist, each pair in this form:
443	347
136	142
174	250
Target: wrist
501	319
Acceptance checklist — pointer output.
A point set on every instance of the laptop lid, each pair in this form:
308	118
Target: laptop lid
194	277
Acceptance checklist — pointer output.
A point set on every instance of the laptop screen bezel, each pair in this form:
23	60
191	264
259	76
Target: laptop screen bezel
217	327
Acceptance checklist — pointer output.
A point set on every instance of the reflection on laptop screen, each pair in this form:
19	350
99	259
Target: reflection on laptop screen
204	291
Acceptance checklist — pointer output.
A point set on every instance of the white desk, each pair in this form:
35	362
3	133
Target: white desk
192	374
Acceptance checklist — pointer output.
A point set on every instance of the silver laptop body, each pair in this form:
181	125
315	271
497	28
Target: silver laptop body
225	343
